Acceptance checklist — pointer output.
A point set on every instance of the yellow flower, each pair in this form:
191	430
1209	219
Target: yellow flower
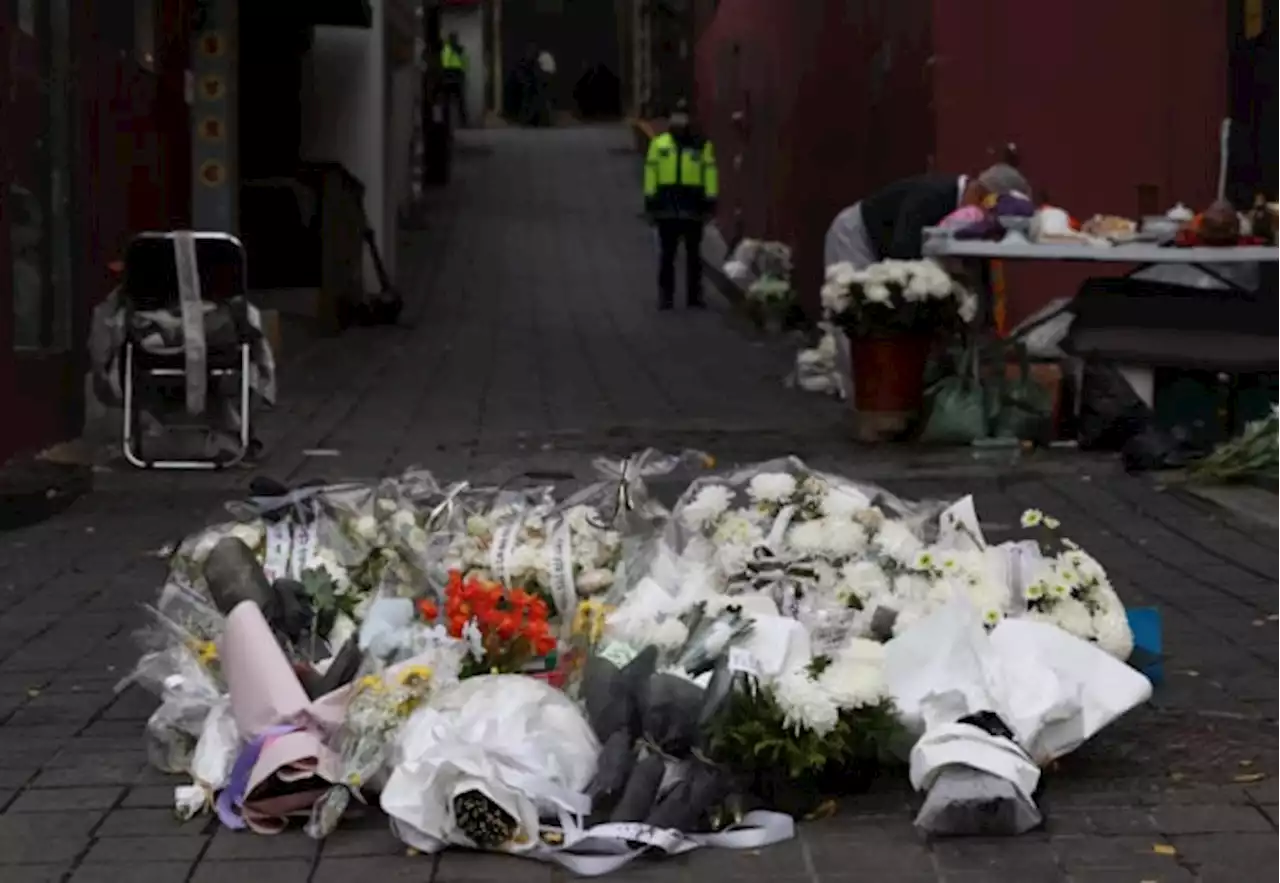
589	620
708	461
415	676
207	652
371	683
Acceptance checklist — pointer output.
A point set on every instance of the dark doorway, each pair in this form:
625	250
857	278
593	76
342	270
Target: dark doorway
598	94
1251	162
578	34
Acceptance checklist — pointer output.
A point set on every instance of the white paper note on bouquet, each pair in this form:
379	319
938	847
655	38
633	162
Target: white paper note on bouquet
306	542
279	545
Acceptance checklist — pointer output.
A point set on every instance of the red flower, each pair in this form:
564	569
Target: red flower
427	609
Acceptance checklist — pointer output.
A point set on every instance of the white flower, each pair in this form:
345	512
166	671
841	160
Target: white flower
417	539
1032	518
855	678
524	559
404	520
594	581
937	280
771	487
252	535
968	309
326	560
917	289
843	501
804	703
1111	628
913	586
366	527
808	537
1073	617
670	634
877	293
842	273
864	580
707	506
871	518
475	641
478	526
895	540
835	298
843	537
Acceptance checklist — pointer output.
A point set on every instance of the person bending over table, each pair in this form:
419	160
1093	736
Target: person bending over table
890	223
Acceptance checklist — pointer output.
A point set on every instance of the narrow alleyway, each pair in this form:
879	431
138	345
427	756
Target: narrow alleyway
531	341
533	318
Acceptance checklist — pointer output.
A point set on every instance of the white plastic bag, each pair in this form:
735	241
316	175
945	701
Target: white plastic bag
520	742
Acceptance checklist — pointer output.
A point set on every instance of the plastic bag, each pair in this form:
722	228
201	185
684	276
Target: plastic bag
957	406
966	801
510	748
1023	408
187	692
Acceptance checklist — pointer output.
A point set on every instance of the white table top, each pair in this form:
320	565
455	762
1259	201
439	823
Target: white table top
940	245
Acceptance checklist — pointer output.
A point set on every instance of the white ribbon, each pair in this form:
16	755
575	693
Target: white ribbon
606	848
603	849
564	591
190	302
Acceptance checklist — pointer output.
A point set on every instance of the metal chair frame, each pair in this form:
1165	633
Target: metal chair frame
136	374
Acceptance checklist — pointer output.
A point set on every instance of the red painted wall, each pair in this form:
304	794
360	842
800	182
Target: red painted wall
842	96
1100	97
130	173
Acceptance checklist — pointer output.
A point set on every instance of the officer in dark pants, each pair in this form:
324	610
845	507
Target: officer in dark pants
681	184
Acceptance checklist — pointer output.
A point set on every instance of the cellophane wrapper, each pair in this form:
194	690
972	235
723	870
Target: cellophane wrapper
781	531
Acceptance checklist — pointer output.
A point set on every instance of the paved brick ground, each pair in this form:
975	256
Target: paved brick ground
532	345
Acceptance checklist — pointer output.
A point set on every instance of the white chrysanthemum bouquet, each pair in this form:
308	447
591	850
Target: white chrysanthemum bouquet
1067	587
896	296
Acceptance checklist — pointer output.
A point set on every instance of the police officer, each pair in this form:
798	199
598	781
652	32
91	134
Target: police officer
453	67
681	184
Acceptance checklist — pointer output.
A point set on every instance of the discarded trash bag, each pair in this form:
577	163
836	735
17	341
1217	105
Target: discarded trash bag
957	406
1111	412
1023	408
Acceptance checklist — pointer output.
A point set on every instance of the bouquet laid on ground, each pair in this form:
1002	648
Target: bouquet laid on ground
992	706
895	296
381	704
1065	586
483	764
820	729
504	631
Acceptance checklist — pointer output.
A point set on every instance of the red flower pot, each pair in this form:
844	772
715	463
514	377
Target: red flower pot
888	382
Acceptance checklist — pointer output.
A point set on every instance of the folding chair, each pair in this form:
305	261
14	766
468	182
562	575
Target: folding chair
151	283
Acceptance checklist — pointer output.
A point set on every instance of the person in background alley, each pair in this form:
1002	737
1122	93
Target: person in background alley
681	185
453	66
890	223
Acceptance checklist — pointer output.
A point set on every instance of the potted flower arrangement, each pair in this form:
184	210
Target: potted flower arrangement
772	299
892	312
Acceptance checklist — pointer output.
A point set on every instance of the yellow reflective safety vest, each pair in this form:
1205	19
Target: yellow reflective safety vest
680	177
451	59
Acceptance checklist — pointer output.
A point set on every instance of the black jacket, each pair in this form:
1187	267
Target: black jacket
896	216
